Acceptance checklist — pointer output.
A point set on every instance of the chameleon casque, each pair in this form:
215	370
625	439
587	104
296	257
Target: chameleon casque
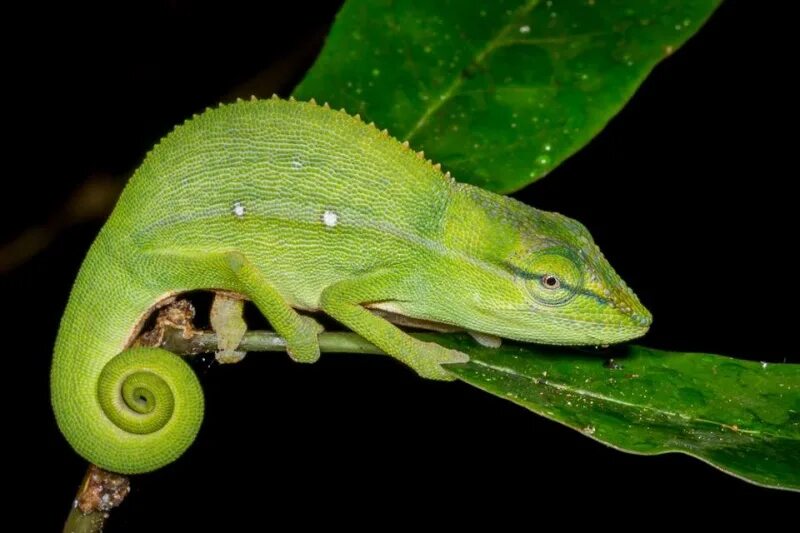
297	206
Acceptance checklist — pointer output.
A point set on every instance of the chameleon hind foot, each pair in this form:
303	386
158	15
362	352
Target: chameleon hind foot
303	346
299	331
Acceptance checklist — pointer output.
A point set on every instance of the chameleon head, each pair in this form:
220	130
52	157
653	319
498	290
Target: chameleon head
575	297
552	284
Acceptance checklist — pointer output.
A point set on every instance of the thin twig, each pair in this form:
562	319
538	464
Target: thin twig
265	341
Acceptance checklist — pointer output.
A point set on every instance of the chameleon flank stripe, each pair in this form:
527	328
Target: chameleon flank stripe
297	206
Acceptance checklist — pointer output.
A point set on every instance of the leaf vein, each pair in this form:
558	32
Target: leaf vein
448	93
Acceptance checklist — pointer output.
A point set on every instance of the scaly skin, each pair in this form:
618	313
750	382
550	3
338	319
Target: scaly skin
297	206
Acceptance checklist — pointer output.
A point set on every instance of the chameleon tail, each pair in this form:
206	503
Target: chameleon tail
132	412
155	403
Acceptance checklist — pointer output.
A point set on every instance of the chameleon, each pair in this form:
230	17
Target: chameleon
299	207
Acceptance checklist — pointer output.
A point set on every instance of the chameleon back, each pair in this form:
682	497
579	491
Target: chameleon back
284	160
282	171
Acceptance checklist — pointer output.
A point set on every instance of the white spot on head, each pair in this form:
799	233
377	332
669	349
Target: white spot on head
238	209
296	164
330	218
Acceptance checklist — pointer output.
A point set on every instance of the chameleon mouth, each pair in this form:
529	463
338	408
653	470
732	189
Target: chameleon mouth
602	332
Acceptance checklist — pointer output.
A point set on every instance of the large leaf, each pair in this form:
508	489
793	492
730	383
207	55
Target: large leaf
501	91
742	417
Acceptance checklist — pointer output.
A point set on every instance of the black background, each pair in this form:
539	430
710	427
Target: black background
689	191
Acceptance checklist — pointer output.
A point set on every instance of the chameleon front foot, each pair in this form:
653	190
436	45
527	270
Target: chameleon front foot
428	359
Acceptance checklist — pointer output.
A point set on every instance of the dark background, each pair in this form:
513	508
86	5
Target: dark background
689	191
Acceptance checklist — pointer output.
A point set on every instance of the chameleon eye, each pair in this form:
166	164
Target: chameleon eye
549	281
554	276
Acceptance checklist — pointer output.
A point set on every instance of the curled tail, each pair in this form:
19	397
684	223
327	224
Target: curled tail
125	410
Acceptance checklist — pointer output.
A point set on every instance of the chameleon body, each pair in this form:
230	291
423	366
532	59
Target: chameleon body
300	207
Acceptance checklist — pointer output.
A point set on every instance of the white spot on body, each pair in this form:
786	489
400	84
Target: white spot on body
297	164
238	209
525	29
764	364
330	219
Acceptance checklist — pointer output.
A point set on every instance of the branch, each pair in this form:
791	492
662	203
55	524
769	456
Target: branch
264	341
100	492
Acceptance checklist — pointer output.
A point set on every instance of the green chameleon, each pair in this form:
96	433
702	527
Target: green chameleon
297	206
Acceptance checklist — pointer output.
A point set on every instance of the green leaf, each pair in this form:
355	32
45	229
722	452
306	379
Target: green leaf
499	92
742	417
